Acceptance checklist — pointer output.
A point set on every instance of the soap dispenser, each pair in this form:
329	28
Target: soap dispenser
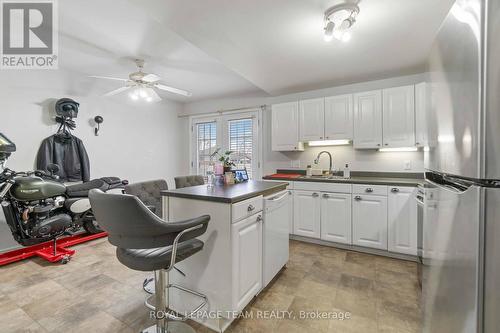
347	172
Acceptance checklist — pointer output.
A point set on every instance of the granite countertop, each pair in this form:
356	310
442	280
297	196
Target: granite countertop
227	193
375	178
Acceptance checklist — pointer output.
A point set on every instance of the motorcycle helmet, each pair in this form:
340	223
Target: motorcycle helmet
67	108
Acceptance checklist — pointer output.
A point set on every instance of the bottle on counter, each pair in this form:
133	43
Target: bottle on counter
347	172
309	171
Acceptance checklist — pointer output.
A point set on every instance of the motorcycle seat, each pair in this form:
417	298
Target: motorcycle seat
82	190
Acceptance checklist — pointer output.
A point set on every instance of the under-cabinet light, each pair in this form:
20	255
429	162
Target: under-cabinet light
329	143
400	149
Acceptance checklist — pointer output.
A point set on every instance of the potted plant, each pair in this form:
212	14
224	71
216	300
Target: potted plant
225	158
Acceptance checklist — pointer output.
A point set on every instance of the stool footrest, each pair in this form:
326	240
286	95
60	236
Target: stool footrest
171	316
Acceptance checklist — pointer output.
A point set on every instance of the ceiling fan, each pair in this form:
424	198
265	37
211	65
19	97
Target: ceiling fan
142	85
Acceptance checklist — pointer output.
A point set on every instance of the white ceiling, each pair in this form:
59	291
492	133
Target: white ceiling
278	45
103	38
235	47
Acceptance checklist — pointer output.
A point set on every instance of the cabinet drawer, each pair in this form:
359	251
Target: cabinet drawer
369	189
400	189
246	208
323	187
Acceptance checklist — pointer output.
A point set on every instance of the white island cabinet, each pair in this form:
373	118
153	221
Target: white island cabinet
229	267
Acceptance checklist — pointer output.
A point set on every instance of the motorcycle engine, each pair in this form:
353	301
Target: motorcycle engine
41	218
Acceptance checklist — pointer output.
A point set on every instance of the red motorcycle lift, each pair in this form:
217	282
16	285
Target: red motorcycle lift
52	251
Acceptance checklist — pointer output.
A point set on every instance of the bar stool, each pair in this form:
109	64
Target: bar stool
145	242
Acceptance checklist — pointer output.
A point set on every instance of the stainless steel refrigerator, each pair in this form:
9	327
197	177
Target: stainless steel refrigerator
461	228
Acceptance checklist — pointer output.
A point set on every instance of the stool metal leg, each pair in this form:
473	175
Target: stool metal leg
162	301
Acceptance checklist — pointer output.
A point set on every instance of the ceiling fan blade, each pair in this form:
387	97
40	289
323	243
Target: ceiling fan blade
173	90
151	78
116	91
154	96
108	78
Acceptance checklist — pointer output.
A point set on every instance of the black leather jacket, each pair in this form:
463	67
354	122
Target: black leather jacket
68	152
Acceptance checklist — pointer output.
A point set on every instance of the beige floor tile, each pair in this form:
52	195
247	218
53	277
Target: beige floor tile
311	289
357	285
354	324
402	266
359	270
356	304
367	260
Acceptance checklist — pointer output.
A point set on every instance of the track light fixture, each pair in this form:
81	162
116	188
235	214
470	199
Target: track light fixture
338	20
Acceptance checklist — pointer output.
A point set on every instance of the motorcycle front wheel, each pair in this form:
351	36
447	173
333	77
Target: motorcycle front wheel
90	224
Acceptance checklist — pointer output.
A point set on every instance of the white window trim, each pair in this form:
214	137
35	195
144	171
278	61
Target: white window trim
221	119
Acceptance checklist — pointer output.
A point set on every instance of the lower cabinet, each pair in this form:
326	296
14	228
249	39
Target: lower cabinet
402	224
369	221
306	213
247	260
336	217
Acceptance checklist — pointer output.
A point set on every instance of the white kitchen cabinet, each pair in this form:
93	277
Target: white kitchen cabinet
421	109
246	260
306	213
336	217
399	117
402	220
285	127
311	119
368	119
339	117
369	221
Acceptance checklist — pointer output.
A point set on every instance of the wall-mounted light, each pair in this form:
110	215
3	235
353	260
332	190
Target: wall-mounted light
400	149
329	143
338	20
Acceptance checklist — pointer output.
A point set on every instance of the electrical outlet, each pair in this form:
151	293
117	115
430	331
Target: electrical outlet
407	165
295	164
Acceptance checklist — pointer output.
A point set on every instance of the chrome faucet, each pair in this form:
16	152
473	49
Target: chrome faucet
316	161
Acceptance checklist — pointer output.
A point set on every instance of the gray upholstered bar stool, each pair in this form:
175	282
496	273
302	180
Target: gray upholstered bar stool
187	181
145	242
149	192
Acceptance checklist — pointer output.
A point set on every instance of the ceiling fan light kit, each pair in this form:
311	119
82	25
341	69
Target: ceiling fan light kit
142	85
338	20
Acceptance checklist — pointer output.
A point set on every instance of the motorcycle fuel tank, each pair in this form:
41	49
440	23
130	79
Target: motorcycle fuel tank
36	188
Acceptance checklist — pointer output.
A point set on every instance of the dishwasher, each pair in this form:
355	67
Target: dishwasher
277	215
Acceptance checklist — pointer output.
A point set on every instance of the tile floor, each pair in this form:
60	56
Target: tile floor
95	293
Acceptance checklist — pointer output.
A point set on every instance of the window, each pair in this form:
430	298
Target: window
238	132
206	144
241	143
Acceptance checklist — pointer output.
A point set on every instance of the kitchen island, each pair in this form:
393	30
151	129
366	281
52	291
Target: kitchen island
229	269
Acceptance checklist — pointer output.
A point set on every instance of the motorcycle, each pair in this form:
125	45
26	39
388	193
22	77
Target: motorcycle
39	208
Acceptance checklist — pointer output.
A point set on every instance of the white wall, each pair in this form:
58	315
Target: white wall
359	160
137	141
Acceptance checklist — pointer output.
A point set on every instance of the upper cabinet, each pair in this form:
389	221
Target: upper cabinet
311	119
338	118
421	109
399	117
285	127
368	119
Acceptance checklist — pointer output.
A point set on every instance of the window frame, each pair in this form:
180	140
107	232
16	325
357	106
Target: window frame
222	124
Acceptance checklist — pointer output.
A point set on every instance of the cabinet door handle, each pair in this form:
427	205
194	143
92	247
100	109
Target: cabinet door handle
417	143
325	196
378	144
250	208
357	198
395	190
386	144
260	219
315	195
369	190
